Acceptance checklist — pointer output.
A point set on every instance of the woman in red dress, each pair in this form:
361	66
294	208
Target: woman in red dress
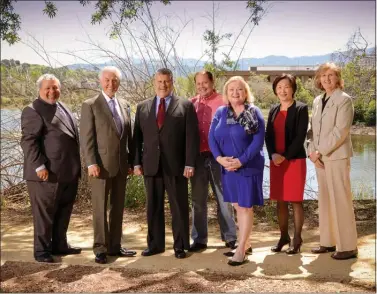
285	136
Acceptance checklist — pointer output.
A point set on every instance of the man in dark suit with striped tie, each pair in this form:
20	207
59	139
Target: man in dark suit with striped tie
52	168
166	140
106	141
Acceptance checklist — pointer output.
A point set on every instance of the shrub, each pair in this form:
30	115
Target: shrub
359	112
135	192
370	114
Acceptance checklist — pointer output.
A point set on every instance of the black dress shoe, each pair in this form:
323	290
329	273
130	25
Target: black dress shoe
70	250
231	253
149	252
101	258
46	257
197	246
231	244
323	249
179	253
342	255
123	252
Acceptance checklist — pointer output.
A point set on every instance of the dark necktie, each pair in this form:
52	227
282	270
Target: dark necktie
161	113
116	117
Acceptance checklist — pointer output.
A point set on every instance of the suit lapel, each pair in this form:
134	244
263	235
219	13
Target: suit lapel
47	112
107	112
73	119
60	122
330	103
126	116
151	111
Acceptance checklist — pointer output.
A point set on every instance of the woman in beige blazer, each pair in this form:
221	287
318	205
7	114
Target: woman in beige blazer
330	149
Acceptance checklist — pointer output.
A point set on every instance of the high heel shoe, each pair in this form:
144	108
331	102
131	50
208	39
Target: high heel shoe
281	243
295	248
231	253
237	263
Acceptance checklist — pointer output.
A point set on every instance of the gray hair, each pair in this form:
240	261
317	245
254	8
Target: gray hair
112	69
46	77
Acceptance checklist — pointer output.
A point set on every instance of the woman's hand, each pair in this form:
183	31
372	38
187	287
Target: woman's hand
277	159
319	163
225	161
314	156
235	164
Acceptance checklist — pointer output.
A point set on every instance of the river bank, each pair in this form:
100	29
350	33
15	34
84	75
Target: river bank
360	129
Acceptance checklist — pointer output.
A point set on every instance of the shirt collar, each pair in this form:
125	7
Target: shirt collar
210	97
167	98
108	99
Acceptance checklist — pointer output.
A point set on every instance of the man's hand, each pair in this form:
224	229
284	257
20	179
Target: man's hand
188	172
93	171
277	159
43	174
138	171
235	164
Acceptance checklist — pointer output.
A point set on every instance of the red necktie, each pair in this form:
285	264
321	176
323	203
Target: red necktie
161	113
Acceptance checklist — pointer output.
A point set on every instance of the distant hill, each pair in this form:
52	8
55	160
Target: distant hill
191	64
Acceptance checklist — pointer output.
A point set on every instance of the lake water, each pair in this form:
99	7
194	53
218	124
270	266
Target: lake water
363	163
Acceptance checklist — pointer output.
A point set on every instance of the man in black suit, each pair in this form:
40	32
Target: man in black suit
166	140
51	168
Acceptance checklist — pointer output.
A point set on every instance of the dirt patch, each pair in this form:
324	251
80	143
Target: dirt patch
200	272
47	278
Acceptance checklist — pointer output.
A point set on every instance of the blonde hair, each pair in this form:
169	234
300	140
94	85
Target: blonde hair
324	67
249	96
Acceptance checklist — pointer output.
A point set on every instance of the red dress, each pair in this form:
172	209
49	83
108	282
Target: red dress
287	181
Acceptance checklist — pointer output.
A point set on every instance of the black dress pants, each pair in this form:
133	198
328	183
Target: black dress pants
51	205
177	190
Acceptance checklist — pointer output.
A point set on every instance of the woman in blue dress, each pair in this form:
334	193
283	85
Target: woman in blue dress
236	140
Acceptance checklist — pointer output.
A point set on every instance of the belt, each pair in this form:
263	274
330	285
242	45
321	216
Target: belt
206	154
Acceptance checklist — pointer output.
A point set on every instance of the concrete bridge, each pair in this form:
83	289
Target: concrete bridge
302	72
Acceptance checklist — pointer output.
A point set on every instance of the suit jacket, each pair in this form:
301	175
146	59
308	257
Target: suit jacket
49	139
296	127
329	131
175	145
100	142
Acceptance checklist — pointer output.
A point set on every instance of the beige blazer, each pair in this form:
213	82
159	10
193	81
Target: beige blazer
100	142
329	131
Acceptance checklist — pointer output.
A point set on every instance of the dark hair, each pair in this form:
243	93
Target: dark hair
165	72
204	72
290	78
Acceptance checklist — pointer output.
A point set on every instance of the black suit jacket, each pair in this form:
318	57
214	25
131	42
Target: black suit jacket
49	140
296	126
176	144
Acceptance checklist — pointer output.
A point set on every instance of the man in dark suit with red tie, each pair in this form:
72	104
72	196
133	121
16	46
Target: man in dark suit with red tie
50	143
166	140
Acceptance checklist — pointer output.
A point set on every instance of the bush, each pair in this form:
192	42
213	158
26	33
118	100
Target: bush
359	112
370	114
135	192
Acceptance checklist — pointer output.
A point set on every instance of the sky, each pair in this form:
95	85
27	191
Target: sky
290	28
